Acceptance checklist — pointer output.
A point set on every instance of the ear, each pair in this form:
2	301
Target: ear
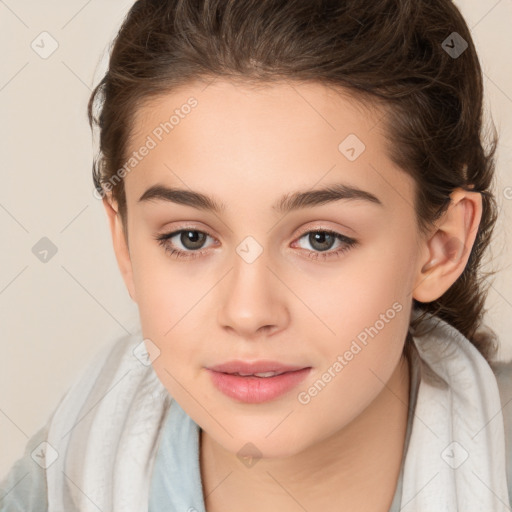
446	251
120	245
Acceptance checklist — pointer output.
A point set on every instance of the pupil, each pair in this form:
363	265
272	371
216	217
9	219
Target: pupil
192	239
321	238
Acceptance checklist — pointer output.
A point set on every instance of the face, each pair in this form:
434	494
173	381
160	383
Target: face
323	284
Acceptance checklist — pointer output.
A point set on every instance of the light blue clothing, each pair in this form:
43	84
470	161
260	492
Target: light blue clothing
176	481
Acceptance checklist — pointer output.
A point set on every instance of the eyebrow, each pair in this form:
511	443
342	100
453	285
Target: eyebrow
287	203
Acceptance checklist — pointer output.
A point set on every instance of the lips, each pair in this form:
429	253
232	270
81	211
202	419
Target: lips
256	382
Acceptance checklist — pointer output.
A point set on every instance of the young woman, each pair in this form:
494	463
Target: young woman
299	198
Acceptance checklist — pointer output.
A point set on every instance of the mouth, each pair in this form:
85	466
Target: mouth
262	375
256	382
258	368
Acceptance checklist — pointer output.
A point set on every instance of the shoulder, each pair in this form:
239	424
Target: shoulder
24	487
503	373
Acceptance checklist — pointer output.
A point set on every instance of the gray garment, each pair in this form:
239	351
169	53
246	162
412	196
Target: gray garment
176	481
24	487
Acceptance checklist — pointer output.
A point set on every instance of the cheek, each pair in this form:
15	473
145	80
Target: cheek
171	313
369	314
164	291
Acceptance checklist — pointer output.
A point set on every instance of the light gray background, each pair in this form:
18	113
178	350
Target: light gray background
55	316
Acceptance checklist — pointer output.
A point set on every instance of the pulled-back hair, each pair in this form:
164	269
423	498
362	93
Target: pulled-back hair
392	54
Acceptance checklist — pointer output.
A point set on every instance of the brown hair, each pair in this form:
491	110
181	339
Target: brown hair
394	54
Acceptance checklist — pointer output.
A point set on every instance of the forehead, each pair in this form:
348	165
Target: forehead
262	138
221	108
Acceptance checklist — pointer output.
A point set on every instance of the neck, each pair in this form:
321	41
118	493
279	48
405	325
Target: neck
357	466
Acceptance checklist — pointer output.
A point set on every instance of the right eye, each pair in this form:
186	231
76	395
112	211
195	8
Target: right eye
190	239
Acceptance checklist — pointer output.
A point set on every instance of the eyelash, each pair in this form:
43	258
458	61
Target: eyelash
163	240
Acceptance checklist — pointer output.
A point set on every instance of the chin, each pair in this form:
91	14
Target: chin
254	446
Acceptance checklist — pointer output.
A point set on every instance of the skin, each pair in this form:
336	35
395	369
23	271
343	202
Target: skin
247	147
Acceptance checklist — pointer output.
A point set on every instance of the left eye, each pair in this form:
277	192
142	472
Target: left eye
323	241
192	240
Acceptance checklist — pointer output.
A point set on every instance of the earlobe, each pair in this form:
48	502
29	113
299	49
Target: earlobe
447	250
121	248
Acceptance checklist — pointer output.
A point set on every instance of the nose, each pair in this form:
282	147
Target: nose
253	301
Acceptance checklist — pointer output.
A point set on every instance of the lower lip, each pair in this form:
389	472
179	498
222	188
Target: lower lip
255	390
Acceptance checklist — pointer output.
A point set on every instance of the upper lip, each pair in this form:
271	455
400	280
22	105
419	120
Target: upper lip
254	367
